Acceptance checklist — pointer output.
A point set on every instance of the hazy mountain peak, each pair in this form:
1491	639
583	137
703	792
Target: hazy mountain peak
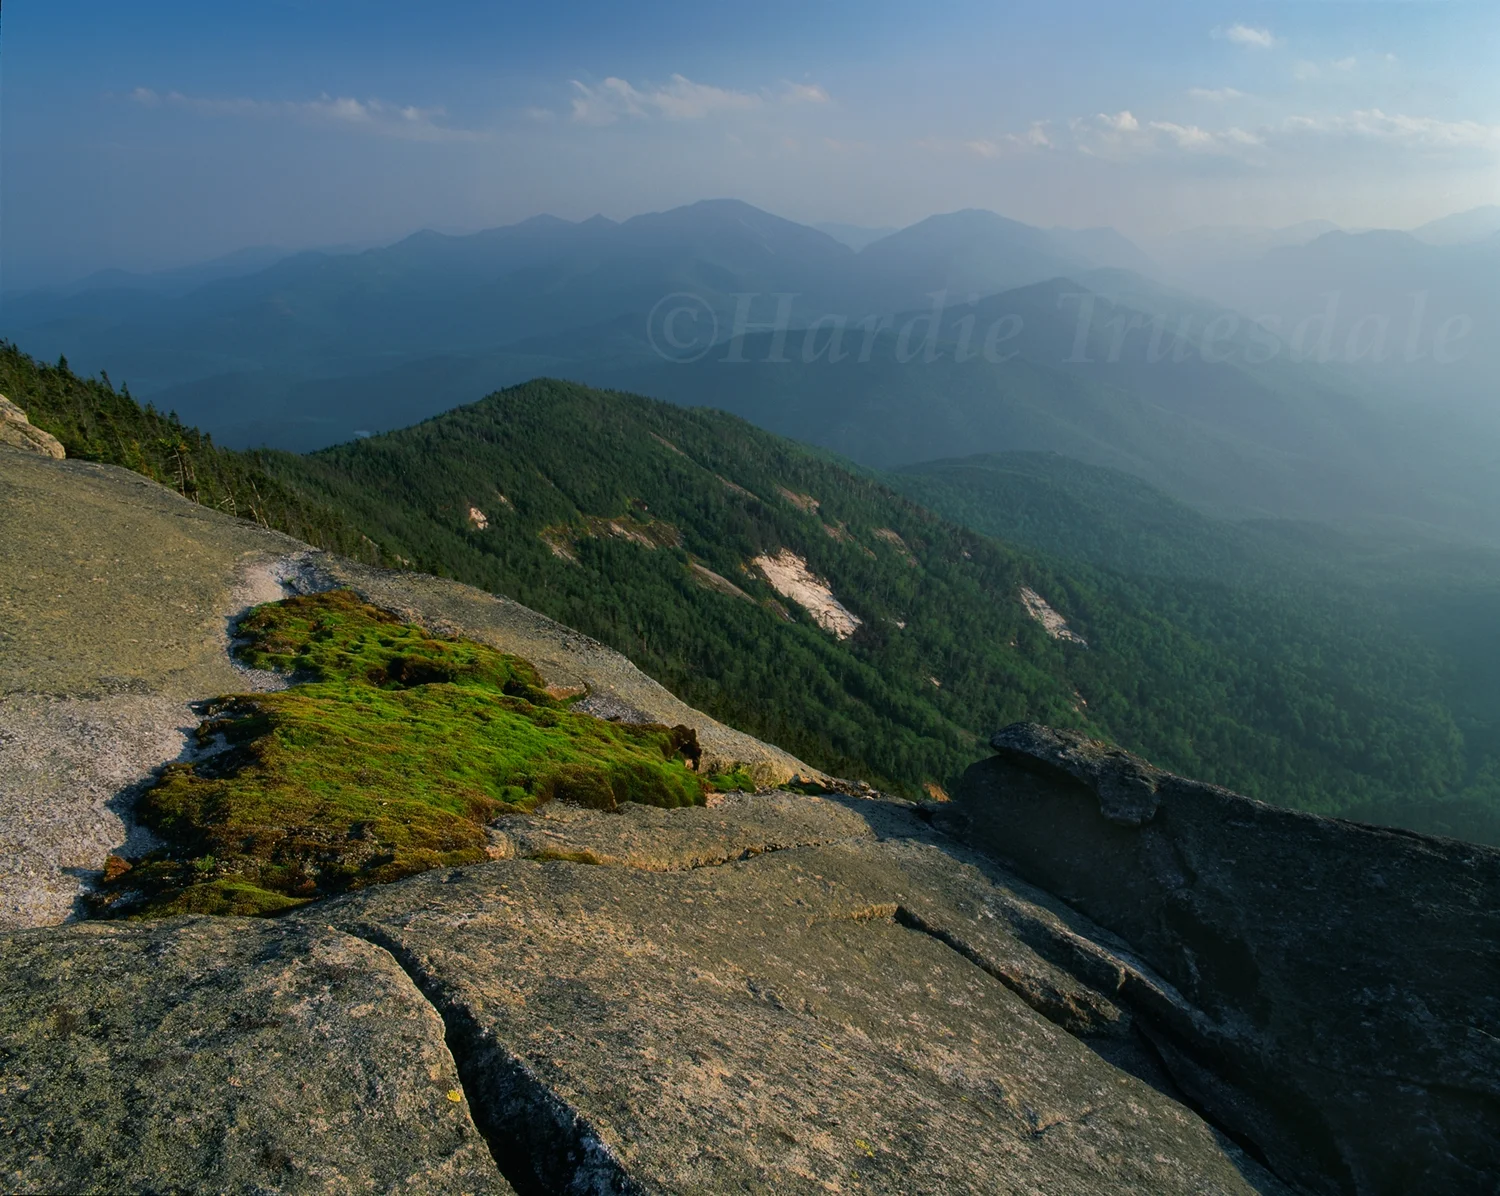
718	224
545	220
1345	243
964	222
1461	228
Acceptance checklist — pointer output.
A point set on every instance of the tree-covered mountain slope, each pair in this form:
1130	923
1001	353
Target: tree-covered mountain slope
1420	595
811	605
96	422
806	602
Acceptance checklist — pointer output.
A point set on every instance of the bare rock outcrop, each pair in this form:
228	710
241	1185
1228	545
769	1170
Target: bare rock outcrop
775	994
18	432
225	1056
1084	975
1338	984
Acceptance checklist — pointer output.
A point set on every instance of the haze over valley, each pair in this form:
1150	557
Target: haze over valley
828	598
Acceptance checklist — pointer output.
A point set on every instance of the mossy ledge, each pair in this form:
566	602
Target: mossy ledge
388	759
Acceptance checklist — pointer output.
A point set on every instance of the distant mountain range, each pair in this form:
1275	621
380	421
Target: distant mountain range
856	236
321	315
713	303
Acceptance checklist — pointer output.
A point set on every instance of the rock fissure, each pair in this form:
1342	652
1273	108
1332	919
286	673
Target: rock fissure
1181	1082
540	1143
1055	1007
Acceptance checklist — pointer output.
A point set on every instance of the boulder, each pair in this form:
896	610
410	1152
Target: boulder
1337	985
18	432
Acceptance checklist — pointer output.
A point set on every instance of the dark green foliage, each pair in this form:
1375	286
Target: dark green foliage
1403	627
389	760
1272	698
1212	648
95	422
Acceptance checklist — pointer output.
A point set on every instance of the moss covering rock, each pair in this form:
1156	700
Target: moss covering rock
389	758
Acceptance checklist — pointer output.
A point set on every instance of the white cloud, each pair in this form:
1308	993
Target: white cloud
804	93
1124	137
1247	35
1036	137
1410	132
1292	143
1107	135
373	116
1305	71
1188	137
680	98
1237	136
605	103
1215	95
1120	122
1344	64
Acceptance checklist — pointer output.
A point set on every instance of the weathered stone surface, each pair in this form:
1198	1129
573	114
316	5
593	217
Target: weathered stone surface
1125	785
733	826
16	431
854	1015
116	598
224	1056
69	769
1339	984
850	1002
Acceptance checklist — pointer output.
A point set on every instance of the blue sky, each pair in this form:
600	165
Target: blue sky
159	133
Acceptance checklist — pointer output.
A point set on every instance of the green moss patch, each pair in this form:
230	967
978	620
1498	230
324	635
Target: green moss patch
388	760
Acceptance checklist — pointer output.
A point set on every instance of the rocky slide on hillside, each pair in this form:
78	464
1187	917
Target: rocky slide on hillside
1081	976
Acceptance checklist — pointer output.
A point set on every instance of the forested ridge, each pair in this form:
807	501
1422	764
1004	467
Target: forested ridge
1294	708
1421	606
96	422
638	522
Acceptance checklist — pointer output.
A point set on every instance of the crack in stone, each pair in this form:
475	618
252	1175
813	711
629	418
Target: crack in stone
540	1143
1058	1010
1039	1130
